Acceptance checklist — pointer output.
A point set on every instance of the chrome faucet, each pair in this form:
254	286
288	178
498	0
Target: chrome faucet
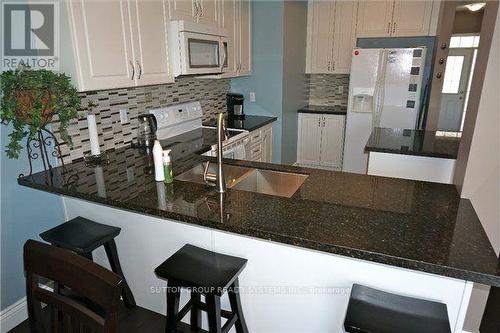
218	178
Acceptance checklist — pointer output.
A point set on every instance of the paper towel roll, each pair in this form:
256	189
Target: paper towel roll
93	137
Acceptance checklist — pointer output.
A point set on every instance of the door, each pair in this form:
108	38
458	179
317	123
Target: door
332	141
320	41
411	18
267	145
208	12
150	42
104	56
245	33
309	139
374	18
183	10
344	38
228	22
454	91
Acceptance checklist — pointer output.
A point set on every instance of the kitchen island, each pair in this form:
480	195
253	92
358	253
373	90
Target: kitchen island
413	154
304	252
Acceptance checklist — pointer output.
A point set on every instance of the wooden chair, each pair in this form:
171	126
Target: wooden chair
84	277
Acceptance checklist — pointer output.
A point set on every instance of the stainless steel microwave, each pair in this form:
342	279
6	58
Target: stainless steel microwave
196	49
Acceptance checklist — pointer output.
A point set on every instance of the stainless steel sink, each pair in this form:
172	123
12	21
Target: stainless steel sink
232	173
283	184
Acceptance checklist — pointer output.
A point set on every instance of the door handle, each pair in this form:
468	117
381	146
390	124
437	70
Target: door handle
393	27
133	69
389	27
140	69
201	9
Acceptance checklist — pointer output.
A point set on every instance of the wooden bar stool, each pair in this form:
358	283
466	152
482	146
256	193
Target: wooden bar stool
83	236
63	314
372	310
204	273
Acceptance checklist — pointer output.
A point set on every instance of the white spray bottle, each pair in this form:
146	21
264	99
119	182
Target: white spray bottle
157	159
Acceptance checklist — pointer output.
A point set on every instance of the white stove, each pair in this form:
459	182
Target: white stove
182	119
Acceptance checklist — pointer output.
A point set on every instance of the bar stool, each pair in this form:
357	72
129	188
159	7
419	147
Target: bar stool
204	273
372	310
83	236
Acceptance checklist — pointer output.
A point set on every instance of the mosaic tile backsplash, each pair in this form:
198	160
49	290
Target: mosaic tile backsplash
323	89
138	100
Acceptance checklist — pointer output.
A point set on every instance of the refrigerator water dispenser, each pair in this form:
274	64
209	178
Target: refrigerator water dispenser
362	103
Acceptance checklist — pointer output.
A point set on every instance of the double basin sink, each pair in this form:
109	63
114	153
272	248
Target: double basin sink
283	184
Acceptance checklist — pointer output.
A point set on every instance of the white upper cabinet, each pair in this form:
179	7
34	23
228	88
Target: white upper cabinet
320	19
245	37
228	22
208	12
344	37
150	42
200	11
374	18
186	10
400	18
331	35
130	50
235	16
103	57
411	18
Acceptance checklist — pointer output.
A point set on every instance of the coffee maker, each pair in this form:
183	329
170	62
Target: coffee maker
235	105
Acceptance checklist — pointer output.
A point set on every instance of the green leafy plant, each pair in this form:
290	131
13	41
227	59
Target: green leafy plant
30	98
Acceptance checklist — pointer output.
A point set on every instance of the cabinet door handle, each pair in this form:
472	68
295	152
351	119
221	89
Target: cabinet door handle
389	27
140	69
133	69
393	27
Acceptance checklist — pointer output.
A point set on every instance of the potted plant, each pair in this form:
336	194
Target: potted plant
30	98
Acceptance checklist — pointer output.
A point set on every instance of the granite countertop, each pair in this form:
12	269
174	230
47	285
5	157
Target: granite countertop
248	123
411	224
340	110
414	142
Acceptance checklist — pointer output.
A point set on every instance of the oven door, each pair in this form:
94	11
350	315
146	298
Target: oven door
202	54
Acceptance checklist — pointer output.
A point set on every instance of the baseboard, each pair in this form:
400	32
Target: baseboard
13	315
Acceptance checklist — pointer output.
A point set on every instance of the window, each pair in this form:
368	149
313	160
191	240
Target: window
464	41
452	74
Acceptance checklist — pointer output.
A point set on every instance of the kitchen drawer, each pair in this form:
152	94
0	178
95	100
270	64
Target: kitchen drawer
255	151
255	137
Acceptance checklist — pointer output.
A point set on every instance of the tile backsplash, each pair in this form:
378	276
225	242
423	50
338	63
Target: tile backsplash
323	89
137	100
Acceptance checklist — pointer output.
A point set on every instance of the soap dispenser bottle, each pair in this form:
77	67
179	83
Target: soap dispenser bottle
167	167
157	159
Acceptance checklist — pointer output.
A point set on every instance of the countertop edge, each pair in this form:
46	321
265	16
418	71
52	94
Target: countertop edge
380	258
410	153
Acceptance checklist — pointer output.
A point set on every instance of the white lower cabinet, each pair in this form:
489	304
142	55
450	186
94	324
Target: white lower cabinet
321	140
261	144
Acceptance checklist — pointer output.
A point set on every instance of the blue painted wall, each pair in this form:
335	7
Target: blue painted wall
267	68
24	214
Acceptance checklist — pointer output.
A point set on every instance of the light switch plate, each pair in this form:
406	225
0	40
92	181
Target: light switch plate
124	116
252	96
340	89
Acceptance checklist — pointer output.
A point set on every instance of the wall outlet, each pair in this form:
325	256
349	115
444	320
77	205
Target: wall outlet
252	97
124	116
340	89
